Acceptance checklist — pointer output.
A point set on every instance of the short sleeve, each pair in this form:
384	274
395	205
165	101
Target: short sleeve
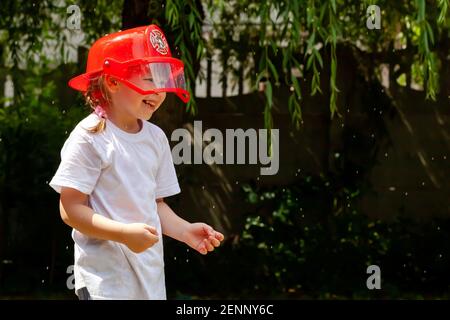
80	165
166	177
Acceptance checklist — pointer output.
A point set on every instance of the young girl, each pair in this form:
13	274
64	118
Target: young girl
116	169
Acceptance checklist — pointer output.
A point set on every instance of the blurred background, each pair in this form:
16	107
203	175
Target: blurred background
359	91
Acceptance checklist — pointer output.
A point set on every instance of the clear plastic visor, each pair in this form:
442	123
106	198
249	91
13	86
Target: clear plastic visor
156	75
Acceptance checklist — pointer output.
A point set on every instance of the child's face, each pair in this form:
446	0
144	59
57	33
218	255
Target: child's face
130	104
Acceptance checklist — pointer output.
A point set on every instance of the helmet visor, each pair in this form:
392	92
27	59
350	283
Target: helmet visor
150	77
156	75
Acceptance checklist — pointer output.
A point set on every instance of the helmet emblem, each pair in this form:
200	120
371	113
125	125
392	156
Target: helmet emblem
158	42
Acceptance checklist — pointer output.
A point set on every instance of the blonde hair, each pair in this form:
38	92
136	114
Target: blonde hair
97	95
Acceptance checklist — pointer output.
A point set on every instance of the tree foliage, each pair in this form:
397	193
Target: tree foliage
275	37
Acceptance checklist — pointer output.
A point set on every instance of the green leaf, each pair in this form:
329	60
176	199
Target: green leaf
430	32
268	93
333	5
274	70
296	86
319	57
309	62
191	19
199	51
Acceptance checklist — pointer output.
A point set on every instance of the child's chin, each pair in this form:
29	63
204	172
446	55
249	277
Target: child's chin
147	116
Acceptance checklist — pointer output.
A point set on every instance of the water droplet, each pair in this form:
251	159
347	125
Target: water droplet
174	258
406	193
391	188
203	187
423	183
237	182
46	182
337	155
67	247
46	268
445	157
42	281
187	260
386	154
214	207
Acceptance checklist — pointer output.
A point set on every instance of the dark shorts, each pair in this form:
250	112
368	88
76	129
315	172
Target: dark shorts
83	294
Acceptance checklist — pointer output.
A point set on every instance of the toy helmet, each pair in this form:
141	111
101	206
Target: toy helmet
140	58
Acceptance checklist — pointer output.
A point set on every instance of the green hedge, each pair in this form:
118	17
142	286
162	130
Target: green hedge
309	240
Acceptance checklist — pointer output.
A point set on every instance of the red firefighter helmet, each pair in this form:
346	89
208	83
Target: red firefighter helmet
140	58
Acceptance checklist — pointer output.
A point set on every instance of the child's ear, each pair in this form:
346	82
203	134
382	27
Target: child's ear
112	84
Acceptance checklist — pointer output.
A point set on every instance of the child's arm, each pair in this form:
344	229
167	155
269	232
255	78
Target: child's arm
198	236
75	213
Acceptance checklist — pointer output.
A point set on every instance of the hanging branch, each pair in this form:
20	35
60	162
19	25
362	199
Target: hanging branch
443	6
426	56
333	29
291	31
186	21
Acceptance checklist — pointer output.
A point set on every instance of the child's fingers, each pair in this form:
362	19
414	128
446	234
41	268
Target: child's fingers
219	236
208	245
208	230
202	248
151	229
214	241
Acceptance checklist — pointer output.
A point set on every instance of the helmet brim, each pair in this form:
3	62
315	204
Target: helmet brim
81	82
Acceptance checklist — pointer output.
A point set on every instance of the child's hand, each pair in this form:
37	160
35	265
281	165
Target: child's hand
202	237
139	236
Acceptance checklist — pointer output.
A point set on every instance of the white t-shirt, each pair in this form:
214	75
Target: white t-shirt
123	174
